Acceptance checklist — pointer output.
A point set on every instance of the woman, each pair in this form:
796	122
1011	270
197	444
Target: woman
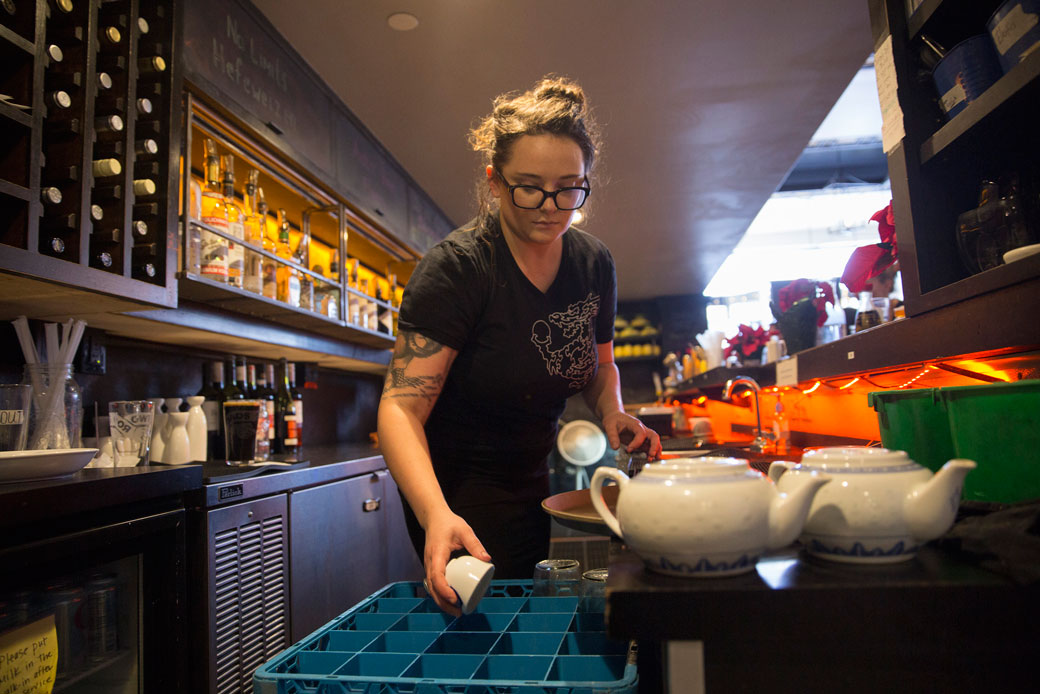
501	322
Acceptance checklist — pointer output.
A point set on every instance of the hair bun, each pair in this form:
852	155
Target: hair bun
560	88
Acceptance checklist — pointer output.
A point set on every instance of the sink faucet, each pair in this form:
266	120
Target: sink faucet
760	442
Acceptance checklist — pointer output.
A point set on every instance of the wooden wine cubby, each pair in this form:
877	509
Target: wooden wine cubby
97	232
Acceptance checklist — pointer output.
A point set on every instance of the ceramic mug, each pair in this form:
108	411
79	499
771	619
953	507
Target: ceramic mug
469	577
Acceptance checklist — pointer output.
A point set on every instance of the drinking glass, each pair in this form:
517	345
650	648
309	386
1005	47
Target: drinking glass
14	416
240	427
130	422
56	417
593	590
557	577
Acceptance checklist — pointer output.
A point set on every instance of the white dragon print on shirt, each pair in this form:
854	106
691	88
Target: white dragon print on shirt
566	341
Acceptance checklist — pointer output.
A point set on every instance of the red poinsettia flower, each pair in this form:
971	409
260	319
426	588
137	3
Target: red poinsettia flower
819	293
747	341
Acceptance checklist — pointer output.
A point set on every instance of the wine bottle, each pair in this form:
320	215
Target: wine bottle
142	26
144	187
102	260
232	391
109	127
54	53
151	66
50	195
267	395
286	441
109	39
103	168
146	148
241	371
213	390
144	106
297	398
59	99
104	82
143	261
97	213
138	229
251	387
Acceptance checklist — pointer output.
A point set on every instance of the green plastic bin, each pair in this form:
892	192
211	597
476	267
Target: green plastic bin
915	421
995	425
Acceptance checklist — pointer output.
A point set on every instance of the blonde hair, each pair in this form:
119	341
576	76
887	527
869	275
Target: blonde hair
554	106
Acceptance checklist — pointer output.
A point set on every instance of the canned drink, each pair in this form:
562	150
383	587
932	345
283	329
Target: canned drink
102	617
66	603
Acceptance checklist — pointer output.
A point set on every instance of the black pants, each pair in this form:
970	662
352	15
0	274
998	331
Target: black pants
515	534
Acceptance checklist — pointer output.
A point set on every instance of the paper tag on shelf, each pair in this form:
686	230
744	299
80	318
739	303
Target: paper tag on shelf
891	114
787	371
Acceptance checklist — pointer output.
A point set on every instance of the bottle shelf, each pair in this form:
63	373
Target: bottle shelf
16	39
15	114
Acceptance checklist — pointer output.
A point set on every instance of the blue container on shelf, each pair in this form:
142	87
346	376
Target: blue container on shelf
1015	31
398	640
970	68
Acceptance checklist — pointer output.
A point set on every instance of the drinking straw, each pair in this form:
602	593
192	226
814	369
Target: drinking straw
51	332
21	327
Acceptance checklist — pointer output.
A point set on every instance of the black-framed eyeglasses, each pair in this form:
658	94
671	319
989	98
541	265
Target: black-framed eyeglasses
532	197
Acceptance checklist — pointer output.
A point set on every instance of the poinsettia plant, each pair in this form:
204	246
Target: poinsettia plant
747	342
819	294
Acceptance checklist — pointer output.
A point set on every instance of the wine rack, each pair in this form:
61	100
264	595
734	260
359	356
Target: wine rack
89	120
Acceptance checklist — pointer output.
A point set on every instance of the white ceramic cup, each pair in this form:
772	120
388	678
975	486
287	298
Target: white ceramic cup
469	577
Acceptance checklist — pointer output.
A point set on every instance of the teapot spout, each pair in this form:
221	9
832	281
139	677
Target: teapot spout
931	507
789	510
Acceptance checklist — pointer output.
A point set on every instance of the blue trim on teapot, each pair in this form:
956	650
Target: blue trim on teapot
745	561
858	550
822	467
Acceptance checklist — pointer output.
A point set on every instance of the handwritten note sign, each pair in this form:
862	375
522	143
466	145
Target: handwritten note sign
29	658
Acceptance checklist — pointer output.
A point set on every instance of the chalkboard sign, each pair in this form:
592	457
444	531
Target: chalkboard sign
377	185
426	224
229	46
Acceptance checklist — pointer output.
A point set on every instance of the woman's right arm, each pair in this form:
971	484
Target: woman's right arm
413	383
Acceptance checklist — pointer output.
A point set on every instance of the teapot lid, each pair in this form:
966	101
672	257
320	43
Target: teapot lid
700	468
858	458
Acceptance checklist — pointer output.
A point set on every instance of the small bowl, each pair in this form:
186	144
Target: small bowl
469	577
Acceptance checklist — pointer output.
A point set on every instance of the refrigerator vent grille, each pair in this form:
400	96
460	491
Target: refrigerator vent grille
251	601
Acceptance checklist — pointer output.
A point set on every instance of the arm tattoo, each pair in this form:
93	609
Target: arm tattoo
400	385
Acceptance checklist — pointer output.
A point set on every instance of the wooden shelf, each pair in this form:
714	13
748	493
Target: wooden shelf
16	39
1019	84
14	190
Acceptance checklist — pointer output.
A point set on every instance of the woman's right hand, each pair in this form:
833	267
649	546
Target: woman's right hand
445	533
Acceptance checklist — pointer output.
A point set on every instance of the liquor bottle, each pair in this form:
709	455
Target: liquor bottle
263	432
269	272
214	214
288	278
353	300
213	390
253	269
394	302
383	314
306	281
267	395
297	398
236	253
286	441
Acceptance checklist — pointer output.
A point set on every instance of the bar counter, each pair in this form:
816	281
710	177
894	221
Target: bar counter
933	624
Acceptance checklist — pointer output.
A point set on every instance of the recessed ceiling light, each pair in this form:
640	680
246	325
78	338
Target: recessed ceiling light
402	21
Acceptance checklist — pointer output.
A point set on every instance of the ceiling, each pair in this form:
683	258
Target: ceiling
704	105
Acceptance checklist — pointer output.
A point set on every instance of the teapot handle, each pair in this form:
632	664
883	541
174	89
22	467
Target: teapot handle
596	492
777	468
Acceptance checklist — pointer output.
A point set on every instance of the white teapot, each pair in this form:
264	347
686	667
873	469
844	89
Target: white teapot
703	517
881	505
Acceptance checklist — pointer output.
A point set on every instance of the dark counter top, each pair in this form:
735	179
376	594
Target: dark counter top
323	464
99	489
92	489
935	623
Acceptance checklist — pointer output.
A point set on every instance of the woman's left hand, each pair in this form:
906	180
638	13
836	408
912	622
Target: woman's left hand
617	422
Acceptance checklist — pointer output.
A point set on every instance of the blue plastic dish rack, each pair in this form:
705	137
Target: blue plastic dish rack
398	640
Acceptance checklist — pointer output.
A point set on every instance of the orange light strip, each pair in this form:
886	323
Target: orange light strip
814	388
850	383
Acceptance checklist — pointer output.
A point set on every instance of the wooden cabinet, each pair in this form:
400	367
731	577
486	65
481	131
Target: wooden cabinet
938	168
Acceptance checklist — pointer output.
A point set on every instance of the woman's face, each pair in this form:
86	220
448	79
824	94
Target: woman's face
549	162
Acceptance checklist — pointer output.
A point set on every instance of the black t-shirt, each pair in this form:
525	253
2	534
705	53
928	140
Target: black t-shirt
522	353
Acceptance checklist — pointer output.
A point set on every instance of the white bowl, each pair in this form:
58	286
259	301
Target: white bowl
1021	252
25	466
